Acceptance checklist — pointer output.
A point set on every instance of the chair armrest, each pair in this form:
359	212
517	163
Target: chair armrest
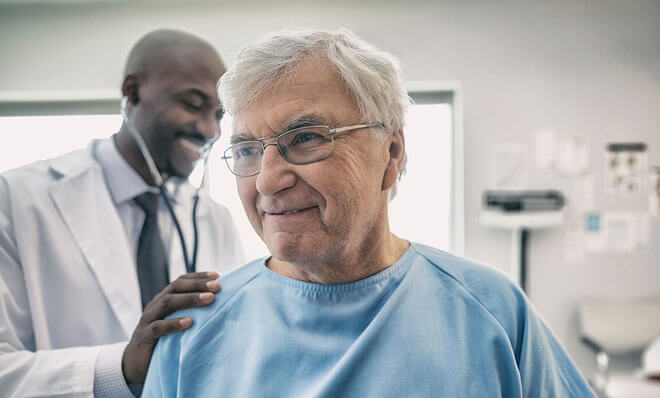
595	347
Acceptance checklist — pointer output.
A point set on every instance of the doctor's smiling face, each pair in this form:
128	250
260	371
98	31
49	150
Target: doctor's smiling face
173	101
324	215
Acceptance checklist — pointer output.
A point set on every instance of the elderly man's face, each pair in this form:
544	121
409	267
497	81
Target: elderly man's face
320	211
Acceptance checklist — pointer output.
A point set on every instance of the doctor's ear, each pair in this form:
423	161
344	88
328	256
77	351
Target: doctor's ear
130	89
397	157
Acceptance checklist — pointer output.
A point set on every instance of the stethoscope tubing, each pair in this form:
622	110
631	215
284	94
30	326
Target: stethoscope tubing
191	264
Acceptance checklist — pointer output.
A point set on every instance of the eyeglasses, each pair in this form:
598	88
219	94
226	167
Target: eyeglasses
303	145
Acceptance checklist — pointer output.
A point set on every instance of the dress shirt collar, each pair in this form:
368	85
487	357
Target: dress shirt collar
125	183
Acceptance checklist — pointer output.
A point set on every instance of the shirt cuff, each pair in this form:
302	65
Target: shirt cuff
109	379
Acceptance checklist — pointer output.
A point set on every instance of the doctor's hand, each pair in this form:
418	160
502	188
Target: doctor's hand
190	290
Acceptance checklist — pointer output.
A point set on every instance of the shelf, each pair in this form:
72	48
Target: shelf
521	220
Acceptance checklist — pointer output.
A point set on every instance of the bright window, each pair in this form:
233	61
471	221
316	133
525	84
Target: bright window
420	212
26	139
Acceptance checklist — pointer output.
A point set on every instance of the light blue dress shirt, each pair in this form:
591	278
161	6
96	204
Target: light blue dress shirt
431	325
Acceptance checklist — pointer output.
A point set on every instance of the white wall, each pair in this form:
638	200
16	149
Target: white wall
580	67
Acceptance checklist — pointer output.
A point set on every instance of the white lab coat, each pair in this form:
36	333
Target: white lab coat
68	282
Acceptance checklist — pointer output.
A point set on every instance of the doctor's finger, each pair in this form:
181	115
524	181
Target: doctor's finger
166	305
182	285
160	328
200	275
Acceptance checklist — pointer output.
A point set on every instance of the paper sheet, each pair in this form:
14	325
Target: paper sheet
573	157
574	245
626	166
581	194
654	192
545	149
617	232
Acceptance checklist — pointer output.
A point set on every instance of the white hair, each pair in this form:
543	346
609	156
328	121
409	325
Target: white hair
373	77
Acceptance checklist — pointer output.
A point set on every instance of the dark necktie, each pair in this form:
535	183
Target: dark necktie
151	260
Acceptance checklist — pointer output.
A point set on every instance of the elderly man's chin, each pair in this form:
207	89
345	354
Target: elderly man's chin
290	247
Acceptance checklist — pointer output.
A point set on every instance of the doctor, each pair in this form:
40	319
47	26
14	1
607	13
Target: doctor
89	256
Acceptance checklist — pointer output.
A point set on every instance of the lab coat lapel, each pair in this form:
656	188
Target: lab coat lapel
89	212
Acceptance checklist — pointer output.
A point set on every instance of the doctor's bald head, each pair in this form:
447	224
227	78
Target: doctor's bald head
164	49
170	82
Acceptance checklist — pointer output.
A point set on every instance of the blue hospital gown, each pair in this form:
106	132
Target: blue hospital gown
431	325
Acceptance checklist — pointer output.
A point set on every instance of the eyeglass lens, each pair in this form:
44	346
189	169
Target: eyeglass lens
300	146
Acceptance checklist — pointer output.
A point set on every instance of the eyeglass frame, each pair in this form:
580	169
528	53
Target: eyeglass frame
331	133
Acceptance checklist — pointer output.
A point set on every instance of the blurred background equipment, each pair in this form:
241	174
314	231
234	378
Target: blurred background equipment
521	212
516	201
614	328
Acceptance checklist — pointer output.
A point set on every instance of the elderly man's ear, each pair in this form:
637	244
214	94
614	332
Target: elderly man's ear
397	150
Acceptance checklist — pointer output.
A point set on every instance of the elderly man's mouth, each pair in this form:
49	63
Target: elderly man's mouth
289	212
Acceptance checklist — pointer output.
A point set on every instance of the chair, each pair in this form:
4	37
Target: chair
615	327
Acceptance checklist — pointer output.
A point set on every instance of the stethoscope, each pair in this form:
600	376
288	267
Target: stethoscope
204	150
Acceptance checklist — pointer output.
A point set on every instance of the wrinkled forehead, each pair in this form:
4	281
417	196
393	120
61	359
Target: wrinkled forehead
312	92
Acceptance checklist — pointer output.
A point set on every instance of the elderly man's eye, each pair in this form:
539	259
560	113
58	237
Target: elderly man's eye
246	152
307	138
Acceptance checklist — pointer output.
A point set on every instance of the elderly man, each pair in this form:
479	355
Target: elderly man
344	307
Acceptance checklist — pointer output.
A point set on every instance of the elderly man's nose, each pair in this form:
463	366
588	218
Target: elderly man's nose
275	172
